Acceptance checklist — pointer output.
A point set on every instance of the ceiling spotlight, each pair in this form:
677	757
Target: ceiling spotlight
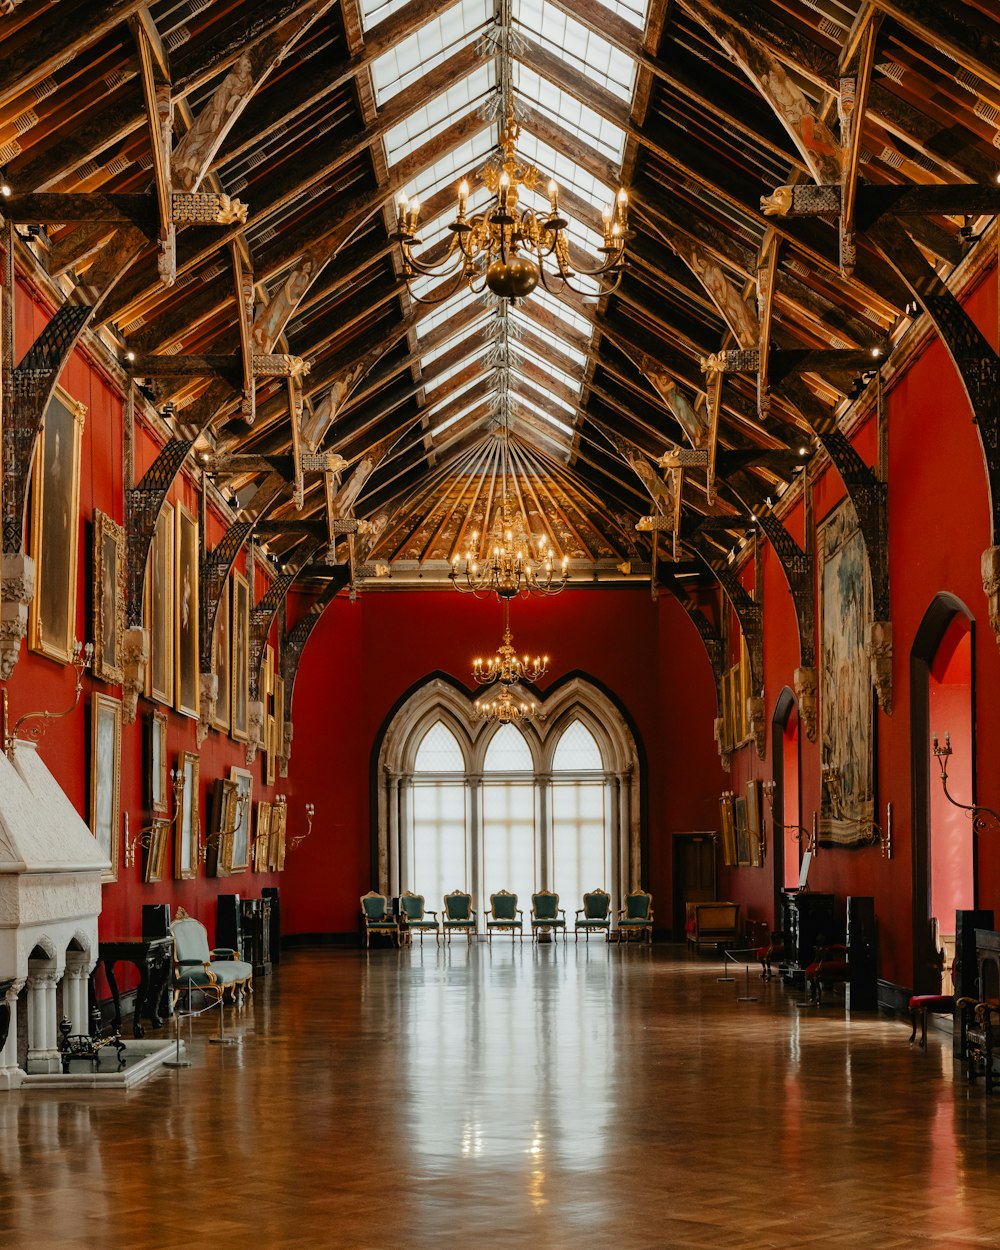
130	356
5	190
803	451
877	352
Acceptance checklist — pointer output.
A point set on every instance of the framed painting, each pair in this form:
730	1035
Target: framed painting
109	598
279	821
755	827
727	828
55	528
238	857
187	844
262	840
155	856
239	705
847	710
105	776
159	801
221	657
186	649
279	717
159	606
268	696
742	831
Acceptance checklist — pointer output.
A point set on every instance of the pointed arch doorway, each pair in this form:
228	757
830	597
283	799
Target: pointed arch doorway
942	701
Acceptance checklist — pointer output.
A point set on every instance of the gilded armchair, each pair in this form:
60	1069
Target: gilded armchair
636	916
547	914
458	914
414	917
504	913
595	914
377	919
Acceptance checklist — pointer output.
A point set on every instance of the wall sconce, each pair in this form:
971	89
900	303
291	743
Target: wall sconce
869	831
807	838
310	811
983	818
146	837
82	658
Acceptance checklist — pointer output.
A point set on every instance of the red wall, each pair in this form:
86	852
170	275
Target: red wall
364	656
39	683
939	526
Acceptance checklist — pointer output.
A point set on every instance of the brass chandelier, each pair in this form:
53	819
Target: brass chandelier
509	248
505	666
504	709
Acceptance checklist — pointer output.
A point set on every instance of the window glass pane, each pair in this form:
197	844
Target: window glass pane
580	854
508	752
439	752
508	841
569	113
582	48
426	48
438	862
577	751
460	98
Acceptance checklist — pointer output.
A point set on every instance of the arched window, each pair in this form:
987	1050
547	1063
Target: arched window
508	856
438	856
467	805
581	842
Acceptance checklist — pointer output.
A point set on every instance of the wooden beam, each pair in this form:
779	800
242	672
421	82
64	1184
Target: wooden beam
960	31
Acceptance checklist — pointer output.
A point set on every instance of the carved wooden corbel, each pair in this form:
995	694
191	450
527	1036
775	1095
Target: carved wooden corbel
286	755
255	731
757	723
278	365
991	587
208	693
135	658
805	684
878	648
207	208
17	585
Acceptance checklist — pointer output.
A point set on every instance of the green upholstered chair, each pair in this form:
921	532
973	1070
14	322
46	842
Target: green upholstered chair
504	913
595	914
413	918
377	918
196	967
636	917
458	914
547	914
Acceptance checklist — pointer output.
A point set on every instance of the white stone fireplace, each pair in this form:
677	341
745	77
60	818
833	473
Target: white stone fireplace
50	898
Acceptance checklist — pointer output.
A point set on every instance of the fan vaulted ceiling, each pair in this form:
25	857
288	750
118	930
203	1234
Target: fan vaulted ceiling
340	107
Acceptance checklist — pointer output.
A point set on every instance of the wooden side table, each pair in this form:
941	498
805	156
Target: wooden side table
153	958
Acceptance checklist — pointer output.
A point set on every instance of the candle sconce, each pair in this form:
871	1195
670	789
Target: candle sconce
82	658
869	831
983	818
807	838
147	838
301	837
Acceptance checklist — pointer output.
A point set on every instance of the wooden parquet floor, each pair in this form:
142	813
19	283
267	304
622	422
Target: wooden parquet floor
552	1097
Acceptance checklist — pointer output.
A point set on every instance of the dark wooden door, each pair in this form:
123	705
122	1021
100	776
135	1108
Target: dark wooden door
694	874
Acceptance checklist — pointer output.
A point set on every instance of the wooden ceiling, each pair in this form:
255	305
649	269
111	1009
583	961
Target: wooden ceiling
731	99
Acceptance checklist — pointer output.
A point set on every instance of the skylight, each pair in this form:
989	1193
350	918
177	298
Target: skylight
546	417
585	50
452	341
452	166
551	369
446	375
565	171
544	333
460	98
427	47
589	127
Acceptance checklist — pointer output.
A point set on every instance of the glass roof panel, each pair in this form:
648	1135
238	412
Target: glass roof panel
460	98
452	341
462	412
584	49
543	332
573	116
550	368
375	11
441	313
426	48
439	379
452	166
551	396
545	416
566	172
563	312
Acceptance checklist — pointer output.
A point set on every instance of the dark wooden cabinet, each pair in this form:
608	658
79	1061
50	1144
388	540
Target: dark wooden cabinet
862	956
808	922
256	926
270	892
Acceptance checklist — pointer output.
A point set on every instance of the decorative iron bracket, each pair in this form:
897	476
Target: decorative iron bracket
748	611
798	567
293	643
262	616
31	385
215	569
142	507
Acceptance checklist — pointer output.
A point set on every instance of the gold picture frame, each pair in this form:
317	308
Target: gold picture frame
187	843
262	841
240	704
236	851
55	534
727	827
159	798
159	608
755	825
279	822
743	859
109	598
221	660
105	777
155	855
187	657
279	716
268	699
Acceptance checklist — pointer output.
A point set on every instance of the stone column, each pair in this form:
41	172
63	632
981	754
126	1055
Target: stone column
43	1055
397	851
10	1073
543	782
475	827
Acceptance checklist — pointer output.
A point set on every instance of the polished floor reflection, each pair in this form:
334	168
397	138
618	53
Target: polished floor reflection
577	1096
